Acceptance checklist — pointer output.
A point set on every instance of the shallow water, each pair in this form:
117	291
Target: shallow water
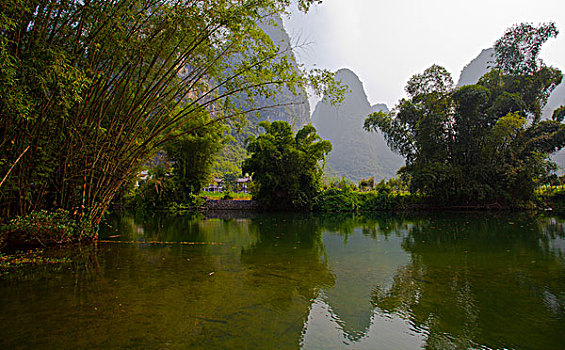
289	281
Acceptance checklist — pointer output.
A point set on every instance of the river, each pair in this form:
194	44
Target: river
298	281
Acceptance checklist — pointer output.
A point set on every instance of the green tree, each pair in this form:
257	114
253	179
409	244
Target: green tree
192	155
521	80
286	168
158	189
518	49
230	182
482	143
93	89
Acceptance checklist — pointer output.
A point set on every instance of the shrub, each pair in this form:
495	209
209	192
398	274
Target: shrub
334	199
337	200
375	200
46	228
551	196
194	202
228	196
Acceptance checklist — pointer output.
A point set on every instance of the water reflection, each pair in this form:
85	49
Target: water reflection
480	283
293	281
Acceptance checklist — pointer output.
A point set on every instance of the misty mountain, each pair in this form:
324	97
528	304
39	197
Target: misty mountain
287	106
357	154
556	100
480	65
476	68
350	298
298	113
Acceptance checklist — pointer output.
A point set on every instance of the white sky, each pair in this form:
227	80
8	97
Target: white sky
386	42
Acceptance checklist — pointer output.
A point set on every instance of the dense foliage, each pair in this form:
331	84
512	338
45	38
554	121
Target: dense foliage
345	196
43	228
482	143
384	199
286	168
90	90
192	154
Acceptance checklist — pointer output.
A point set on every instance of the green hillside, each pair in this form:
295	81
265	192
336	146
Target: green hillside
287	106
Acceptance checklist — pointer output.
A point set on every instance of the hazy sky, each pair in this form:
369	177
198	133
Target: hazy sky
386	42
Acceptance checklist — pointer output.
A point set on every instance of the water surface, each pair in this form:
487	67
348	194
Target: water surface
291	281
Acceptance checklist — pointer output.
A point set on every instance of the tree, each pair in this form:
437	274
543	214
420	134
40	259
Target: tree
518	49
158	189
481	143
286	168
192	155
519	73
95	88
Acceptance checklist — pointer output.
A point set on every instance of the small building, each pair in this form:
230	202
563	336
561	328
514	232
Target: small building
242	184
239	185
216	185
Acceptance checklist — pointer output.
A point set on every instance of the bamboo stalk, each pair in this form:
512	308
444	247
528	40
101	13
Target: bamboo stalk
13	165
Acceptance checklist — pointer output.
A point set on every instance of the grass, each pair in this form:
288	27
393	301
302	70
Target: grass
220	195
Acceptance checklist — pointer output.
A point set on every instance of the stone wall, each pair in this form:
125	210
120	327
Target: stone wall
223	204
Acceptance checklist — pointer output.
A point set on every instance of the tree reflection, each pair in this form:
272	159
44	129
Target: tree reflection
286	270
253	289
460	281
480	281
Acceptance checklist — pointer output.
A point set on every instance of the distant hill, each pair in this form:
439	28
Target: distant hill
297	114
476	68
480	65
556	100
357	154
292	108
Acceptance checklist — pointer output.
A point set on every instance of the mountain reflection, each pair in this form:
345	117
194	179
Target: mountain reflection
292	281
435	281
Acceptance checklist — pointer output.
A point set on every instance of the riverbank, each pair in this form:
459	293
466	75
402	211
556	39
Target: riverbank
55	228
44	228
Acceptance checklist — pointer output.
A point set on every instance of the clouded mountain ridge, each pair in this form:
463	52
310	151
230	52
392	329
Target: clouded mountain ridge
473	71
286	106
356	154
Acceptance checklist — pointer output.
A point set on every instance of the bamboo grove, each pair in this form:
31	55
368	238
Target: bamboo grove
91	89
